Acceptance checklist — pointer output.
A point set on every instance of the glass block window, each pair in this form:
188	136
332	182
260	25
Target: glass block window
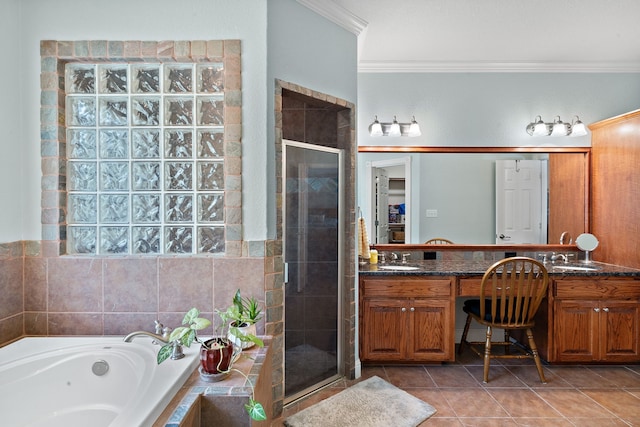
145	158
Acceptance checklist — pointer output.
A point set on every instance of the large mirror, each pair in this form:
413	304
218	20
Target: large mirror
456	193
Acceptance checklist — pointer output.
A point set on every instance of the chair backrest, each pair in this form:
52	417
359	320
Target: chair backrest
438	241
513	289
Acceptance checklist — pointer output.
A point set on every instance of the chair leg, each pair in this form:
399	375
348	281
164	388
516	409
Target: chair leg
487	356
507	348
536	357
463	340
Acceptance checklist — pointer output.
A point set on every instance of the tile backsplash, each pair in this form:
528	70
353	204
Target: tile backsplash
116	295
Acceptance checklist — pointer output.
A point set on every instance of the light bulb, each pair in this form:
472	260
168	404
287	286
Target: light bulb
395	128
375	128
578	128
414	129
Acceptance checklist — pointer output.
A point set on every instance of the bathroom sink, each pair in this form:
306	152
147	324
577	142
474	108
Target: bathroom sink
398	267
574	268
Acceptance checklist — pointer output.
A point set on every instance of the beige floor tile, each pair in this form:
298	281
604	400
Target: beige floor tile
499	376
543	422
618	375
473	403
452	376
573	403
409	376
434	398
585	396
488	422
523	403
620	402
581	377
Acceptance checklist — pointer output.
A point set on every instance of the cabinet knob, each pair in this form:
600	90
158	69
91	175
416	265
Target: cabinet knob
413	309
606	309
404	309
597	310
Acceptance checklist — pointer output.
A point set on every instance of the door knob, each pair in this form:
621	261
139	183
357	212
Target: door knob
606	309
404	309
597	310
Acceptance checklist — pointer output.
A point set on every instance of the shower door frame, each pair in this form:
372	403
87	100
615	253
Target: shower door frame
339	256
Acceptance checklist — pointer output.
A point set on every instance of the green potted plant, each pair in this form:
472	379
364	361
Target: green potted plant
244	313
217	354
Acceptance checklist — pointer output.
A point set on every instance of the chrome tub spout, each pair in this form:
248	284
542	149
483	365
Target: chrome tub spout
156	337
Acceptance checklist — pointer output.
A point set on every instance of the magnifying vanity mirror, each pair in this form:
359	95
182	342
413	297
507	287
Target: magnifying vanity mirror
467	194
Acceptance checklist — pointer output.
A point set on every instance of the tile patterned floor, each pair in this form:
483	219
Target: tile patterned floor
581	395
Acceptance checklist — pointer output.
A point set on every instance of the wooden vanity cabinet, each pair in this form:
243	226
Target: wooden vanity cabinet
407	319
596	320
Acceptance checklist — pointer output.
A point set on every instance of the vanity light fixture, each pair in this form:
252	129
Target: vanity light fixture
578	128
375	128
558	128
394	128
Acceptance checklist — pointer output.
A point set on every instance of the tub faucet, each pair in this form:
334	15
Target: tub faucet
176	352
156	337
165	331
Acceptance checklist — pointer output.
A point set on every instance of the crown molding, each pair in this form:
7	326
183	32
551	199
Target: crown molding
336	14
495	67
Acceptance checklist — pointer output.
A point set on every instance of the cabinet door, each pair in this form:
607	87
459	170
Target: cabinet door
576	330
384	329
431	330
619	331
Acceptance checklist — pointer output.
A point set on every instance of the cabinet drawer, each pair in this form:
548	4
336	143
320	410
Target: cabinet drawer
597	289
470	287
406	287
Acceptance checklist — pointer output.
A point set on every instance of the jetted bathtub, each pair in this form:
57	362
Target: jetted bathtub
87	381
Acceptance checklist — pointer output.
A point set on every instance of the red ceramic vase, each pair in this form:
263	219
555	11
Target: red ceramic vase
217	358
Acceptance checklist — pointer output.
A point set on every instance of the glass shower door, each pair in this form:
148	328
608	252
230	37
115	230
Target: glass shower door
312	249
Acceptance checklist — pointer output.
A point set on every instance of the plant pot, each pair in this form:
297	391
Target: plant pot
244	330
218	358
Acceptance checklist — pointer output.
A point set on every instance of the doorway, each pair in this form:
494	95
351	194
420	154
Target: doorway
521	201
378	190
313	243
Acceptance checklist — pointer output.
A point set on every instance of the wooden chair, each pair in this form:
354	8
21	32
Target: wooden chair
438	241
510	293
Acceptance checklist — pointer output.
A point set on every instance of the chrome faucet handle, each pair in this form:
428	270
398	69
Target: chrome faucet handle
382	258
405	257
177	353
162	330
159	327
166	332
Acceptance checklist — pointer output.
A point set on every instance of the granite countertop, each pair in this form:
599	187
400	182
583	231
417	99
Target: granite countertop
477	268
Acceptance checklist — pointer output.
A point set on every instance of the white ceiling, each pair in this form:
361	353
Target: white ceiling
490	35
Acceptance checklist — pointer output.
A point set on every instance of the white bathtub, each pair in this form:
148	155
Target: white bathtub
50	381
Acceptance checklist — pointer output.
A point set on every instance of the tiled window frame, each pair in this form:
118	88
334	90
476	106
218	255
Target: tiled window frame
56	54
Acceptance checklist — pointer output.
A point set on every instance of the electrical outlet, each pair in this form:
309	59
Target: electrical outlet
432	213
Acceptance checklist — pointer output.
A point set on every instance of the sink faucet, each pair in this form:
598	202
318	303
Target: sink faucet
555	257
